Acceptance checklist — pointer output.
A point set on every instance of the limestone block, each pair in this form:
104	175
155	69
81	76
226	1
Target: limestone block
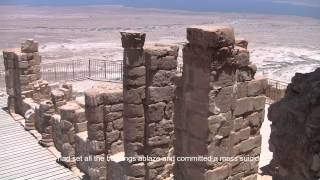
95	114
133	58
96	131
80	115
165	63
29	46
96	147
164	127
156	112
247	145
158	140
220	147
243	134
133	149
158	94
220	124
116	147
251	177
137	81
241	56
135	71
134	129
245	105
257	87
112	136
137	169
116	107
161	50
225	77
93	97
242	43
68	111
113	97
224	99
80	127
162	78
220	173
211	36
113	116
134	96
133	110
118	124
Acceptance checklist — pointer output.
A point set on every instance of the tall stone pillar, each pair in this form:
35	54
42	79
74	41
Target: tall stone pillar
207	105
22	71
161	65
133	97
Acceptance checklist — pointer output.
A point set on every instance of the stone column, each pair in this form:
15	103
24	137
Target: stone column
134	94
95	114
65	129
161	65
206	107
22	71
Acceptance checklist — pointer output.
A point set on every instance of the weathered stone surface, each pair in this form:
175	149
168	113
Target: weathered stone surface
134	128
295	129
242	43
96	131
245	105
132	40
158	94
133	110
247	145
29	46
134	96
242	57
219	173
95	114
211	36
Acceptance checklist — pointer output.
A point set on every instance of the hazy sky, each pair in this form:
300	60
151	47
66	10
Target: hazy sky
287	7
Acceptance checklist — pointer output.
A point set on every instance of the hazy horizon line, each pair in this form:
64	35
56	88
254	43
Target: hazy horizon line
161	9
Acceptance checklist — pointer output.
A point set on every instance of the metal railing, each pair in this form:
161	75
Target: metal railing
101	70
275	90
2	77
104	70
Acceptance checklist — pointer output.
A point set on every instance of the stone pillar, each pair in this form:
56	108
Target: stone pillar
44	122
133	97
22	70
95	114
65	127
161	65
206	106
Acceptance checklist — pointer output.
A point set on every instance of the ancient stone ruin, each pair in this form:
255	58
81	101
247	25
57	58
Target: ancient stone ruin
294	138
149	127
219	107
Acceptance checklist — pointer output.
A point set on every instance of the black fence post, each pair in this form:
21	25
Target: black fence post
105	69
89	68
55	71
73	73
121	71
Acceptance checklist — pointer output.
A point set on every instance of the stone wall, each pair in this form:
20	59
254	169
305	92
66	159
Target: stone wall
23	76
104	135
161	65
294	138
216	113
148	105
71	121
215	108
